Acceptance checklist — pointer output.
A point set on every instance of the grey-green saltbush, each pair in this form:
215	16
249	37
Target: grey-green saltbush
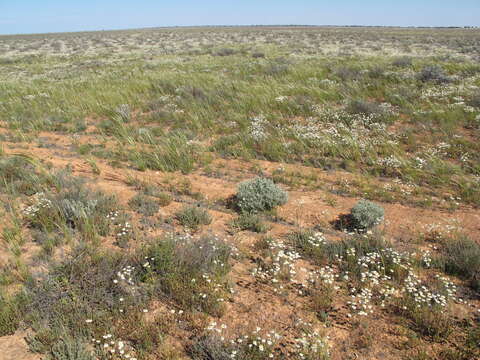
433	73
366	214
259	194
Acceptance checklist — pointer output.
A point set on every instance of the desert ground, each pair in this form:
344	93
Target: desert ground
240	193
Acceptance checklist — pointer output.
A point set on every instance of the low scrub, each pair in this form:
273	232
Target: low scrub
260	194
190	272
193	217
251	222
366	214
144	204
461	257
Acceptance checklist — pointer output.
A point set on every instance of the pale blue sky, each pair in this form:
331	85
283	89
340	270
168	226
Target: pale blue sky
34	16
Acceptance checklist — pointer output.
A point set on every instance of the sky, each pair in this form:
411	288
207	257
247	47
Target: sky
40	16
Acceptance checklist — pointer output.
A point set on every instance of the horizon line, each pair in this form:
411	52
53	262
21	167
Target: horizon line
245	26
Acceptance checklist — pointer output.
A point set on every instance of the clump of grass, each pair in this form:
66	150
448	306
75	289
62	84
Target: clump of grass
346	73
79	298
72	205
173	153
163	198
48	241
259	194
21	175
224	52
258	55
144	204
461	257
11	313
70	349
429	321
190	272
311	244
193	217
364	107
209	347
251	222
474	100
248	347
322	296
402	62
433	73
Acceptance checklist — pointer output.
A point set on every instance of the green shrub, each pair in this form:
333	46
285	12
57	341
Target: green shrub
71	205
190	272
84	286
403	61
429	321
224	52
433	73
364	107
70	349
173	153
209	348
164	198
144	204
347	73
11	310
462	258
474	100
259	194
310	244
366	214
20	174
193	216
251	222
214	347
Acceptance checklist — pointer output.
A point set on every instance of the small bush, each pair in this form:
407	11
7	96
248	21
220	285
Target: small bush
249	222
209	348
10	313
462	258
429	322
213	347
123	112
433	73
70	349
364	107
366	214
377	72
310	244
224	52
83	286
164	198
173	153
20	175
474	100
71	205
192	92
258	55
276	69
348	73
403	62
193	216
145	205
259	194
190	272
